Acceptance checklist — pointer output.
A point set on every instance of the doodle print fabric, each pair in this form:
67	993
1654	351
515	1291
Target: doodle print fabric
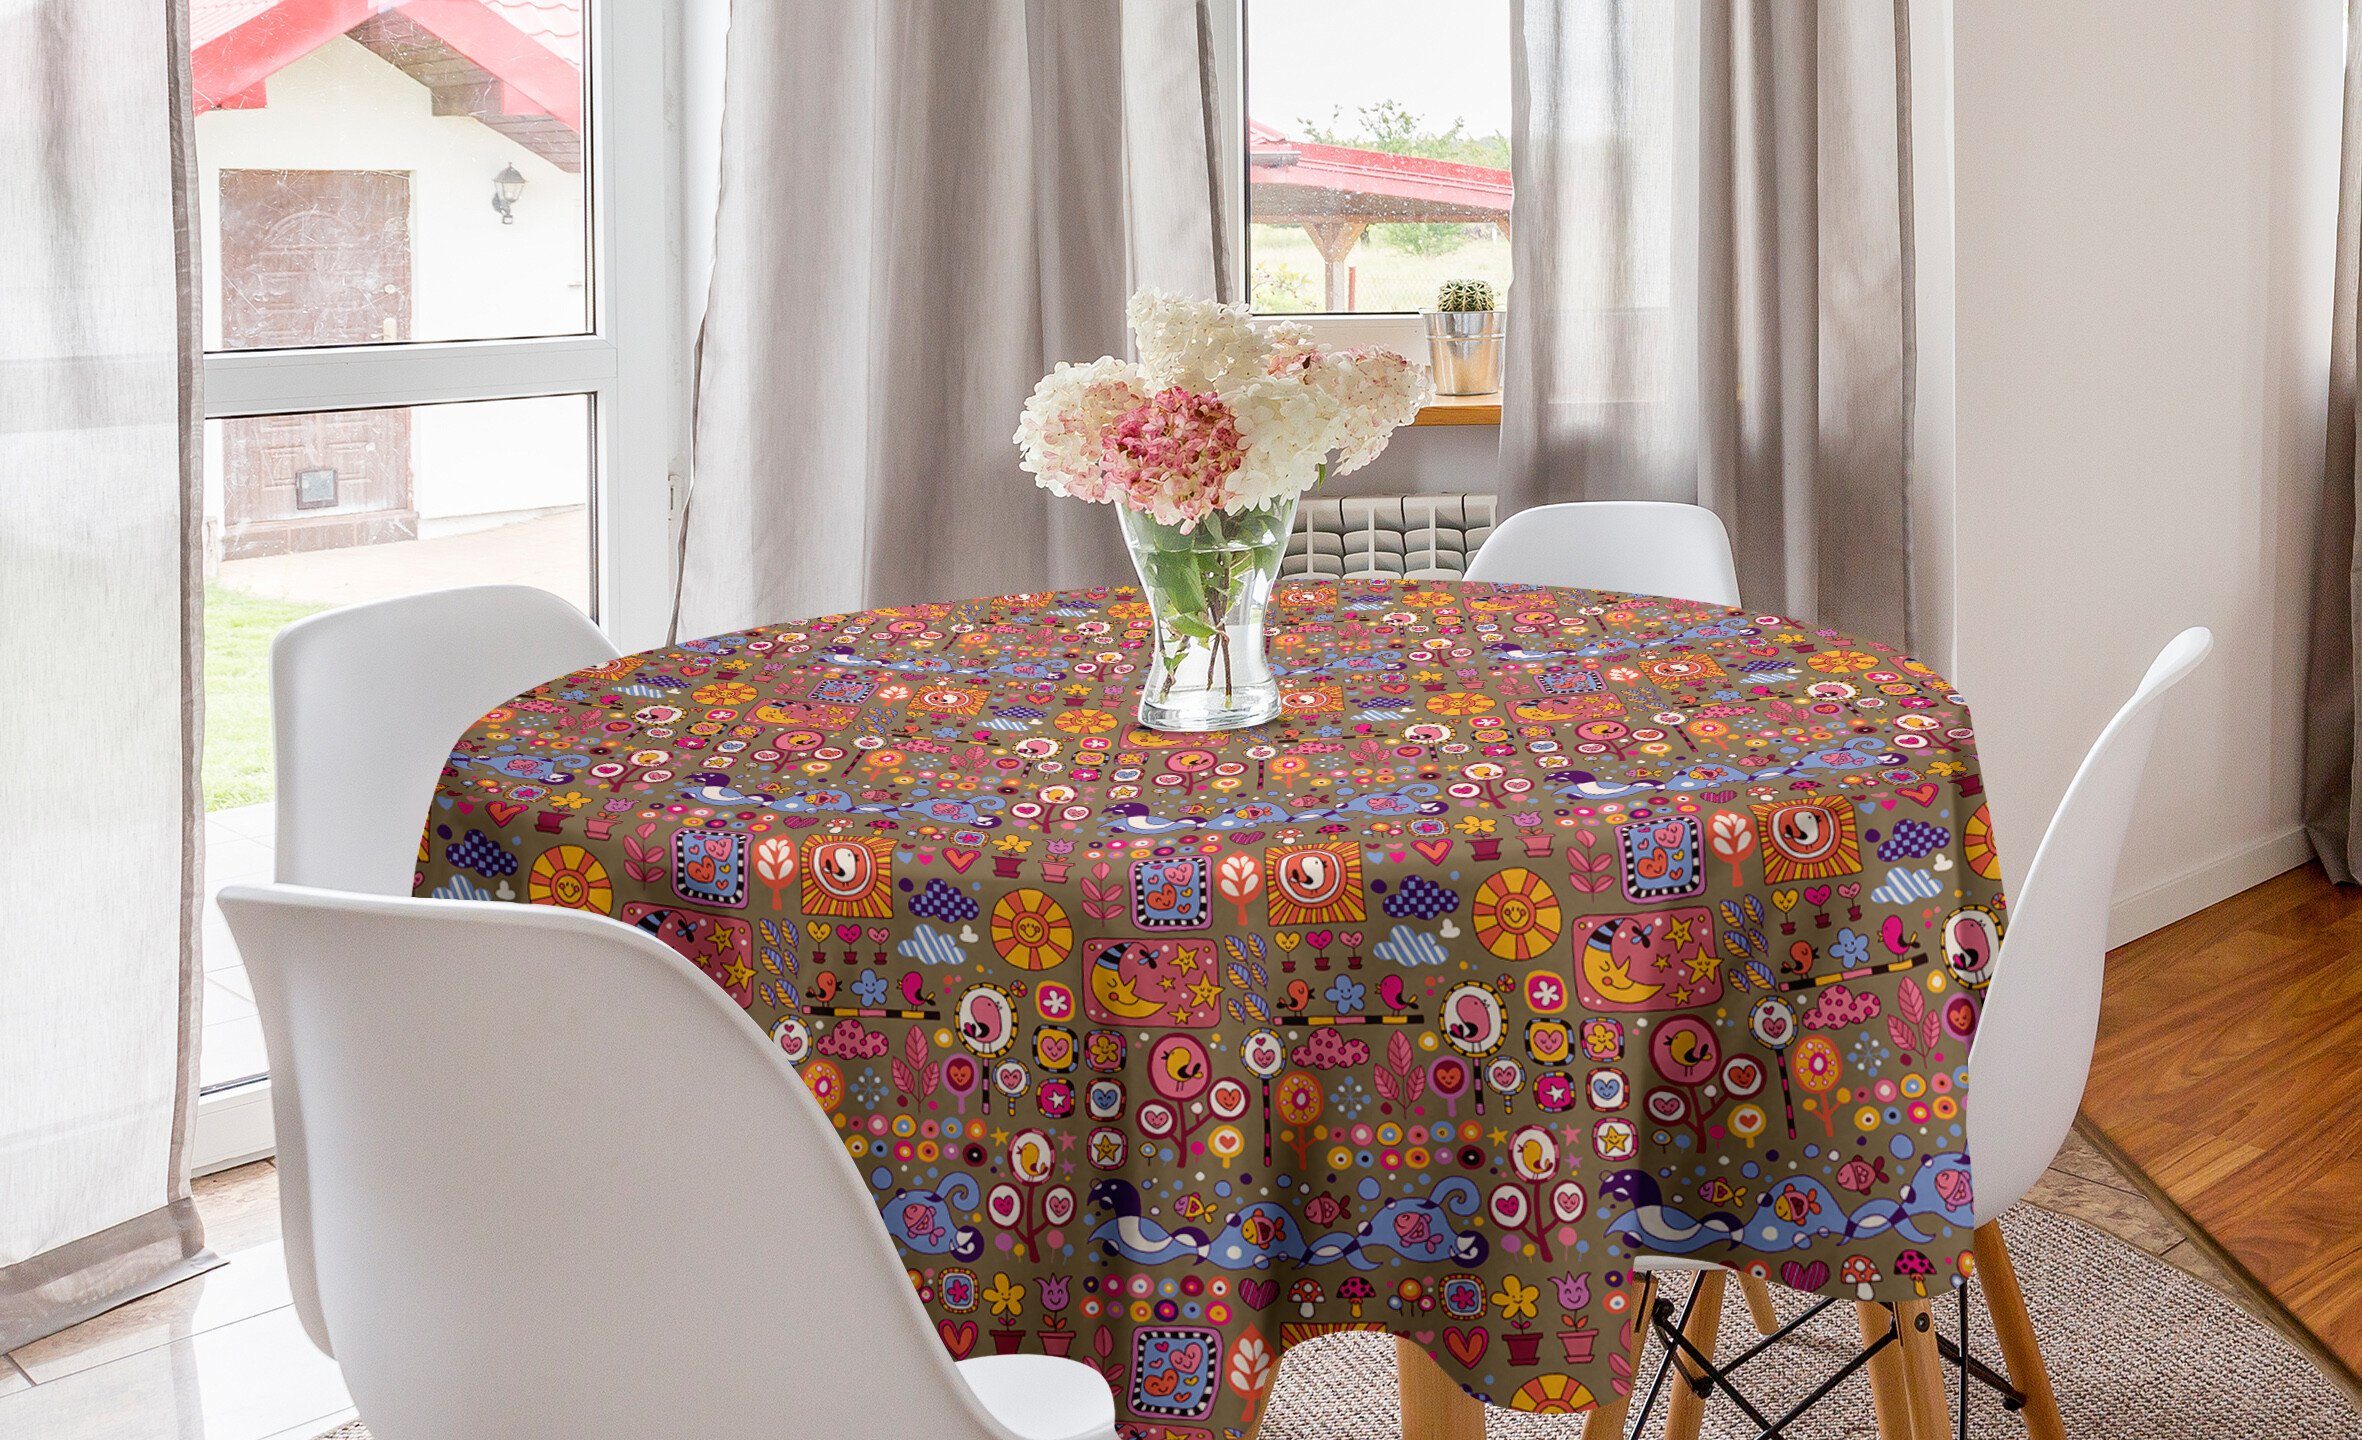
1545	927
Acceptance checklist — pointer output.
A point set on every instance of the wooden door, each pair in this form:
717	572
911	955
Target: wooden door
309	258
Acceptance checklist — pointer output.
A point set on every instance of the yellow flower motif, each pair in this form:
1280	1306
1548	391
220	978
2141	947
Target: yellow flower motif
571	800
1007	1298
1476	825
1461	702
1516	1298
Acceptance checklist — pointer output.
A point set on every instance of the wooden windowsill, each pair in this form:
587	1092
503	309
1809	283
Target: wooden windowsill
1461	410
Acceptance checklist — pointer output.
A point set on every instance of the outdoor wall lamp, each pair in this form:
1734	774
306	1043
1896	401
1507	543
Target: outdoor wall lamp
506	187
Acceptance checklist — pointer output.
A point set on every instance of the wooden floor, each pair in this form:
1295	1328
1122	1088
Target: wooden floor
2228	1083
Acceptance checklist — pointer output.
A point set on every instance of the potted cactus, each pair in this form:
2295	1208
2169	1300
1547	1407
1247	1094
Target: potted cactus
1465	335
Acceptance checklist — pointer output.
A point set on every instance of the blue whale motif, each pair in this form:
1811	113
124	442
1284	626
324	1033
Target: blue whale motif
925	1220
1133	1235
1133	818
1792	1213
970	813
1255	1238
1414	1227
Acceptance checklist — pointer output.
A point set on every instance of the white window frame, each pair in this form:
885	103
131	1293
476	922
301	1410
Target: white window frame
629	362
1402	331
632	363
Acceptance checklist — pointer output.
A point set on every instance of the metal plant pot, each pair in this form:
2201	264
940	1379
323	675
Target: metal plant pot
1464	346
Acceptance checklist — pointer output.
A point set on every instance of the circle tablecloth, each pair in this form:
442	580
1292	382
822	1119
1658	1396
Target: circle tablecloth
1544	928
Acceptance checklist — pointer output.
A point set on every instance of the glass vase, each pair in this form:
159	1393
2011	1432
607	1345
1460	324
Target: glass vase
1207	587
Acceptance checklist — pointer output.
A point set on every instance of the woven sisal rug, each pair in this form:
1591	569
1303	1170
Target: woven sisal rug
2137	1350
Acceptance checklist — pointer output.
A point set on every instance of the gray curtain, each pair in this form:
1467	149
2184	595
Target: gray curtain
1713	282
99	807
925	204
2333	749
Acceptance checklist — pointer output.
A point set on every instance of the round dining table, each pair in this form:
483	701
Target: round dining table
1544	930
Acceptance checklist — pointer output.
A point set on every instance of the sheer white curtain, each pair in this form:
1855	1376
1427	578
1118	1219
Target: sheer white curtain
1712	302
98	629
923	207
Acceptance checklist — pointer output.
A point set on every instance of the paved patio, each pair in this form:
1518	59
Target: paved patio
551	551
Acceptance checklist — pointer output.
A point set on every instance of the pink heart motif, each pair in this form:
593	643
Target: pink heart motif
1319	939
1817	895
1258	1293
1849	892
1805	1277
1178	873
850	934
1191	1359
879	934
1351	939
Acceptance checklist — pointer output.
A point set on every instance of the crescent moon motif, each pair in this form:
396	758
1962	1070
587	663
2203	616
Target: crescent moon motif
1607	977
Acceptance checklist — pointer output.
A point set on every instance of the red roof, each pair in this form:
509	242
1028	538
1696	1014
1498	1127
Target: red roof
1310	180
531	48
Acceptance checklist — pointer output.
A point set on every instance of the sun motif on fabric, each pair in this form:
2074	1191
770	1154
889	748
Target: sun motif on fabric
571	878
1517	914
1030	930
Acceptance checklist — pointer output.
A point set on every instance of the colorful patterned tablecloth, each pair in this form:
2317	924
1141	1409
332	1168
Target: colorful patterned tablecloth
1545	927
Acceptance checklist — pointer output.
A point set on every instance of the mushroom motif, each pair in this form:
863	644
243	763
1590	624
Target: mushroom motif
1918	1267
1860	1272
1305	1294
1356	1290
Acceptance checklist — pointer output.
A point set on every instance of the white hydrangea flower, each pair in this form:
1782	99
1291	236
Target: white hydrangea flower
1198	345
1064	426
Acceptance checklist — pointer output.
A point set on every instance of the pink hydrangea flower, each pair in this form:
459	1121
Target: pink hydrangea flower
1172	454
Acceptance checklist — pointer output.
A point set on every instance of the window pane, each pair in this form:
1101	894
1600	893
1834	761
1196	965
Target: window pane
414	175
1377	151
304	512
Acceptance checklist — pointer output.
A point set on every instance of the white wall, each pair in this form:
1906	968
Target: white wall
343	108
2144	212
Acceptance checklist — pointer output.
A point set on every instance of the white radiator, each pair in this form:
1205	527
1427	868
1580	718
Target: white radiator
1424	537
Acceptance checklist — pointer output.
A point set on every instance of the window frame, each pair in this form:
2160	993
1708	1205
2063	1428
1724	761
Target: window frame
631	361
626	361
1403	331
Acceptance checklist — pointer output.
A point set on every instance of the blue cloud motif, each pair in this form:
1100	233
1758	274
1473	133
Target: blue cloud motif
1904	886
459	887
930	946
1852	947
940	901
1407	946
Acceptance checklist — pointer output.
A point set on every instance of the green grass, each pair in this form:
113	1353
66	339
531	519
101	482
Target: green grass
1389	279
238	631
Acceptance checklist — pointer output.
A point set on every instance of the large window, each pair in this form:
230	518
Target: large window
1377	152
415	377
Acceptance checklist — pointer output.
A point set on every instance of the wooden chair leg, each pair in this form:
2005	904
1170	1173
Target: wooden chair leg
1923	1370
1606	1420
1686	1410
1759	1304
2015	1329
1434	1407
1889	1397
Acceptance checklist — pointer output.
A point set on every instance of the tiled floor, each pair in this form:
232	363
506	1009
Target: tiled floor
237	851
222	1357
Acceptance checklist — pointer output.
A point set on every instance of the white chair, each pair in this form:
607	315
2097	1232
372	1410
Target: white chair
2027	1066
559	1185
1642	547
367	700
2033	1045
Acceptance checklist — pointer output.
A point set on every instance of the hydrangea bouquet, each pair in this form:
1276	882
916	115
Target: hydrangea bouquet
1203	447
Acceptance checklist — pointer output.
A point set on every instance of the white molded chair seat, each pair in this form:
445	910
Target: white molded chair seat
1641	547
366	700
558	1184
1042	1397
